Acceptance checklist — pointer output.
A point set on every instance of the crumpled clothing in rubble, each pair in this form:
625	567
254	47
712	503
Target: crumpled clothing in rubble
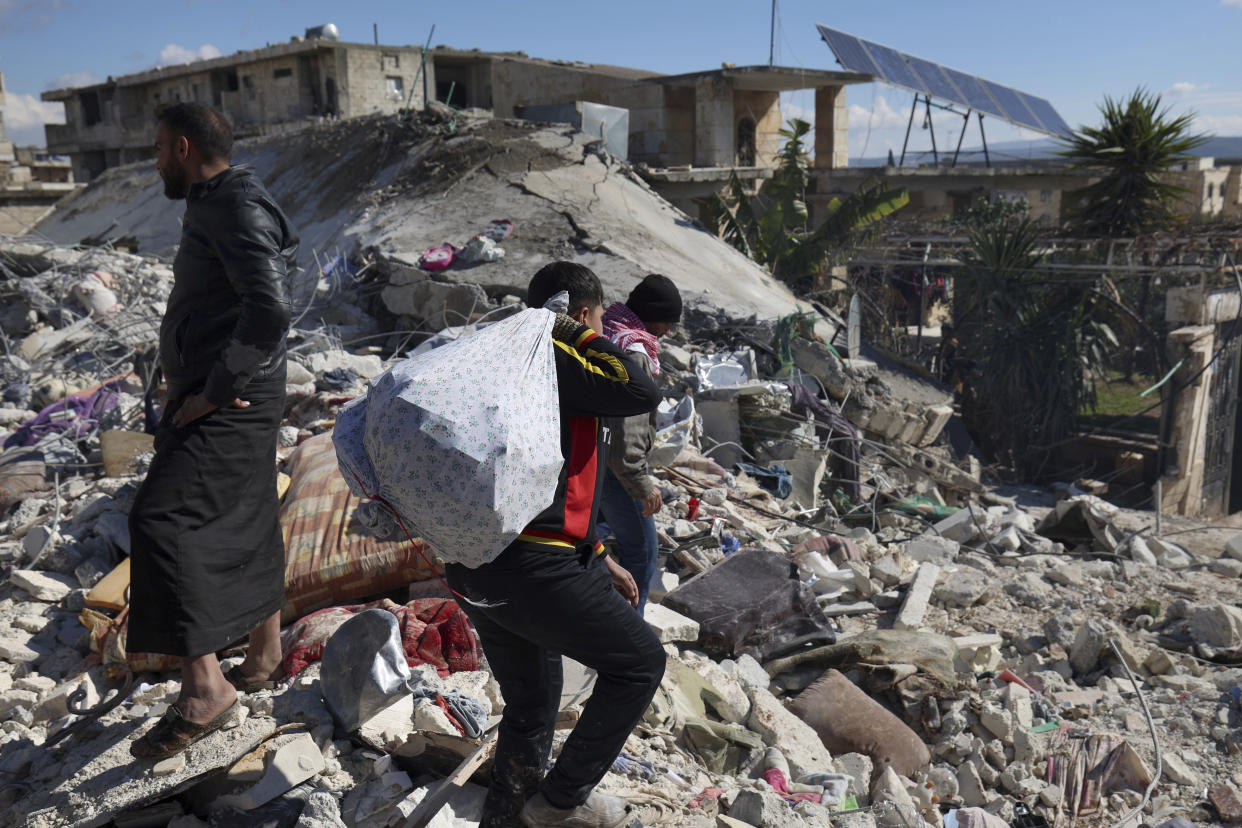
775	478
75	416
433	631
847	446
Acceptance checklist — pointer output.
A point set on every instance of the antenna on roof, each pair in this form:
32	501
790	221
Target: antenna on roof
772	36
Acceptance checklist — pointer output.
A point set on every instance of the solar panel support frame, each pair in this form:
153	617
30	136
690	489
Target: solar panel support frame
931	126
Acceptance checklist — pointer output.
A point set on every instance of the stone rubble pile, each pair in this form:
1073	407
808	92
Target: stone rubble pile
933	649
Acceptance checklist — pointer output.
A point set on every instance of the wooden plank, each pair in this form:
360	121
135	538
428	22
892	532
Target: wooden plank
121	448
109	593
435	800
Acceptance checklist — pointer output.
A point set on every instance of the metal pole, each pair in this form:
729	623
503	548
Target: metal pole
987	160
931	127
909	126
375	32
1159	506
965	123
772	36
918	343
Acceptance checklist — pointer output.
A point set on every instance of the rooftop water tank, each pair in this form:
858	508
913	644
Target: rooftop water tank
328	31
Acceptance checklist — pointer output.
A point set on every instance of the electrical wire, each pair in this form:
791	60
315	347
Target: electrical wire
1155	740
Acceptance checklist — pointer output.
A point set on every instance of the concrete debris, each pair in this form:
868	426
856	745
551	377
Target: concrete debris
965	632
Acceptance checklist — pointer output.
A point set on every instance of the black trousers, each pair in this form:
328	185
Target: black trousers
548	603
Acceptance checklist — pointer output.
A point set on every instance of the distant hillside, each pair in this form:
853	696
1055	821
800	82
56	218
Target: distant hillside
1220	147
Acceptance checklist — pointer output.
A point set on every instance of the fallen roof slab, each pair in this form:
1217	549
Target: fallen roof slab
376	183
98	779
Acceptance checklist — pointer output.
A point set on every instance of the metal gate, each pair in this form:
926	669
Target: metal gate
1221	419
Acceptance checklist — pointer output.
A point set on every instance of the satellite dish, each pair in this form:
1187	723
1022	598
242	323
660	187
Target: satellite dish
853	328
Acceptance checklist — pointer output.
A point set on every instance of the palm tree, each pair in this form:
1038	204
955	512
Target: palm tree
1137	143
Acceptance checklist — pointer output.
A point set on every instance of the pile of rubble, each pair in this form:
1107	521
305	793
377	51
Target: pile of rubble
860	631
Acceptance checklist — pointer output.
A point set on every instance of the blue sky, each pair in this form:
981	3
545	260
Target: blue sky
1073	53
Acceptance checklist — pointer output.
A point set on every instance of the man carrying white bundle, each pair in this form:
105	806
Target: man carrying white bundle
549	593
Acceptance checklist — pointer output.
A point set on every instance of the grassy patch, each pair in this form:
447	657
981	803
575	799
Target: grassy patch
1117	398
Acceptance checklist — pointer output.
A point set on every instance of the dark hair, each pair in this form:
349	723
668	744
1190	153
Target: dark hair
202	126
583	285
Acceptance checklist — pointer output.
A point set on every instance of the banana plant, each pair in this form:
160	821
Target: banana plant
775	229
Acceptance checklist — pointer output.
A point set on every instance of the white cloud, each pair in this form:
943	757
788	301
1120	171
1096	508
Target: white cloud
174	54
880	115
1237	4
1182	89
790	110
25	115
69	80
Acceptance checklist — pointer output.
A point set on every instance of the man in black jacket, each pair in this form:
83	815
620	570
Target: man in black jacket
549	594
207	552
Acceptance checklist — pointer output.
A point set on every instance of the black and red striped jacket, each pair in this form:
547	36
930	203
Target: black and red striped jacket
595	380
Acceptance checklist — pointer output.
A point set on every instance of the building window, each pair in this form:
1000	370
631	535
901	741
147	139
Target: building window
394	86
1045	196
90	108
390	62
248	83
746	143
282	73
1210	187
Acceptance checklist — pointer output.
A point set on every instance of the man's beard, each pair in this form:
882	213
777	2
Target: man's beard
175	185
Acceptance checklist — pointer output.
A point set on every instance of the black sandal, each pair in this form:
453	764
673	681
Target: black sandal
173	733
234	677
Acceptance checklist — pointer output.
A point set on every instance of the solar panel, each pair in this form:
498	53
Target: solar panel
850	53
1047	115
974	95
1008	98
895	70
934	78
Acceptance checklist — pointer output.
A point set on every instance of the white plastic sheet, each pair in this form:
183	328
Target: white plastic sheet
675	428
725	369
462	442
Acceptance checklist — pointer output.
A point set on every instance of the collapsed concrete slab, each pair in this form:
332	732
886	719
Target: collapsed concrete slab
97	779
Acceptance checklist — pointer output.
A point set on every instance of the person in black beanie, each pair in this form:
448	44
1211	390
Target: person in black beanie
631	498
657	302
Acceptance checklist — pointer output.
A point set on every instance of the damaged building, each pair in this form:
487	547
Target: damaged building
31	181
109	124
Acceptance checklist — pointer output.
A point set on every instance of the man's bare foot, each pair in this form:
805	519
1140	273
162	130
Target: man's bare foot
202	709
261	669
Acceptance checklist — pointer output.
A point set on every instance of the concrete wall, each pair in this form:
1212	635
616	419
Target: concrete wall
714	122
662	118
1206	192
523	83
661	122
379	79
939	193
1233	194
